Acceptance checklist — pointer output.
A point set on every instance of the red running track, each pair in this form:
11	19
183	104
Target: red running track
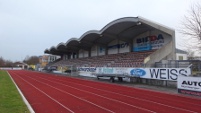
49	93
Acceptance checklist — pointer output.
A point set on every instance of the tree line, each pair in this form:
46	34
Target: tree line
32	60
5	63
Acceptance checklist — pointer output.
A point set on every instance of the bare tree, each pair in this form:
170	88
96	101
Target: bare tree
8	63
190	54
33	60
2	62
191	28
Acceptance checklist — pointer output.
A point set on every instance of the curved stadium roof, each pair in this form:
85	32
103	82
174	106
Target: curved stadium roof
124	29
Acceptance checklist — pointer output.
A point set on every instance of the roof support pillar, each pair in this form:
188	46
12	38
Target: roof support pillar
89	53
106	50
118	49
131	46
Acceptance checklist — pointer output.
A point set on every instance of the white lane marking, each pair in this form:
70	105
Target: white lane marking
119	94
47	95
98	95
22	95
138	98
149	90
140	89
74	96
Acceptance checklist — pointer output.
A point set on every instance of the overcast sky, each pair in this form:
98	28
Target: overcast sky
28	27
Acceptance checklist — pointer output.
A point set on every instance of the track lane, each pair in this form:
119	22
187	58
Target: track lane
119	88
114	105
124	95
66	101
164	100
110	105
32	95
123	98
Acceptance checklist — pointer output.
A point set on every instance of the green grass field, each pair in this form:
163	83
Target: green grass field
10	99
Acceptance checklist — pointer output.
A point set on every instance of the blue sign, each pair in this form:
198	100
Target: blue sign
101	49
149	43
137	72
123	45
143	48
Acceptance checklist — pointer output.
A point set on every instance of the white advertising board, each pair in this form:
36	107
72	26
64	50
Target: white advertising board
170	74
189	85
149	73
10	68
87	71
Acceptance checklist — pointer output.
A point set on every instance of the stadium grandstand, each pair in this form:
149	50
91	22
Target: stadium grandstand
132	49
125	42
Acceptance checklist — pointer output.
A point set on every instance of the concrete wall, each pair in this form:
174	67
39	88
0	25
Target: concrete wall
94	51
161	54
113	50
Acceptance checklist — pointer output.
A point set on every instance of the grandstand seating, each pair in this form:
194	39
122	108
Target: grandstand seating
129	59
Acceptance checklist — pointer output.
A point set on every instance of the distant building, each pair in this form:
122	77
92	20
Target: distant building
21	65
181	54
45	59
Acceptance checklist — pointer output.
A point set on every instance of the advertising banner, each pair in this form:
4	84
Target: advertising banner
160	73
87	71
149	42
189	85
170	74
149	73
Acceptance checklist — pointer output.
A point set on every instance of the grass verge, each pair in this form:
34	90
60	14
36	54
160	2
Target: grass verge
10	99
